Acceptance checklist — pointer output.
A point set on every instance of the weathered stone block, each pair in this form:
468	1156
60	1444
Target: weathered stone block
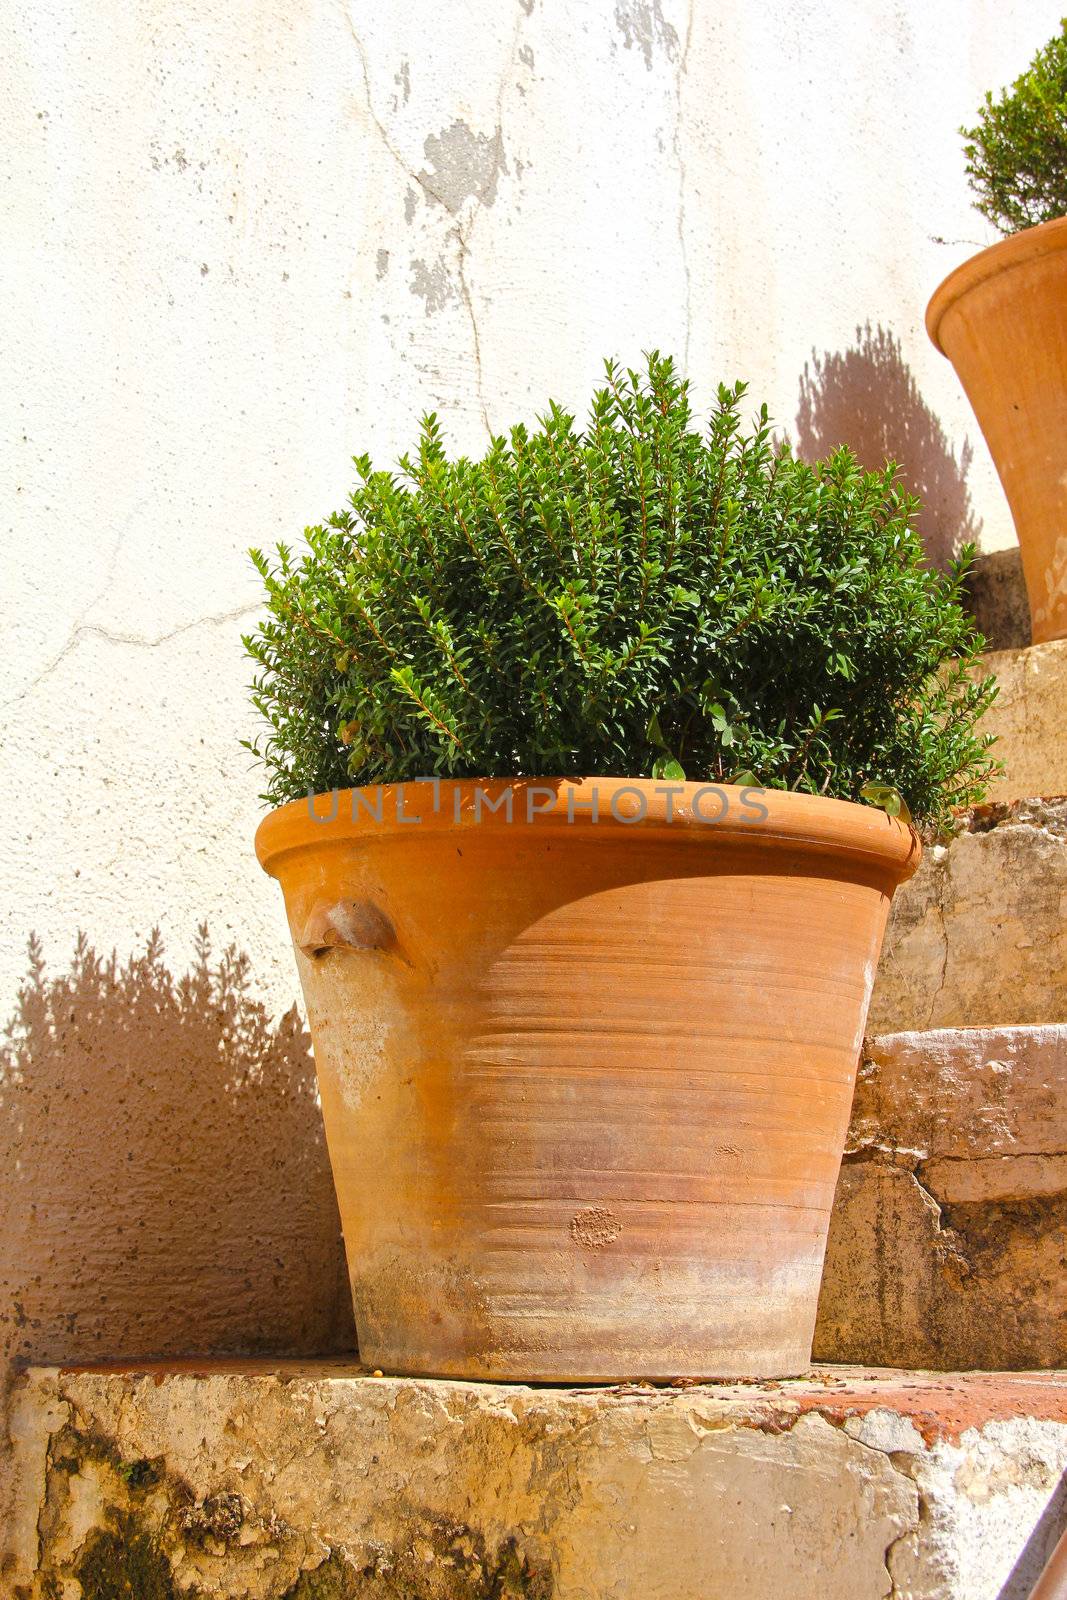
1029	718
996	595
979	935
949	1231
321	1484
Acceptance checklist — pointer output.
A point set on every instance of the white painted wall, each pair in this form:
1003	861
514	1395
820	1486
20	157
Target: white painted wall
244	240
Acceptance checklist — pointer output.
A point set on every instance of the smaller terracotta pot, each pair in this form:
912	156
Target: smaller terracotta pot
1001	318
586	1053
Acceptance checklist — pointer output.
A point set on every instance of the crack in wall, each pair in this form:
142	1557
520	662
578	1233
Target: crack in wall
904	1158
942	870
903	1463
944	1233
683	68
421	179
468	301
139	641
79	620
999	1155
948	1243
923	1518
460	234
463	238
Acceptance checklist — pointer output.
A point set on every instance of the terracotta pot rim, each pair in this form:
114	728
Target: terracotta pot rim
1045	238
647	808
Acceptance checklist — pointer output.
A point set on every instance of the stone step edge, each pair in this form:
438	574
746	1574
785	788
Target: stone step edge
940	1406
977	936
278	1479
945	1240
959	1098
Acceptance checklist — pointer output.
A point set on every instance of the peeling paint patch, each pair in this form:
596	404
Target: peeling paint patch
463	165
381	266
432	284
643	24
411	200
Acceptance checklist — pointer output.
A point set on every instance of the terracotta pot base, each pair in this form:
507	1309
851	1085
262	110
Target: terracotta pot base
586	1084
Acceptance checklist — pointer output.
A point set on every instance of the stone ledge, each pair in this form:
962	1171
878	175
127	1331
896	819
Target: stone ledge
949	1226
978	937
320	1483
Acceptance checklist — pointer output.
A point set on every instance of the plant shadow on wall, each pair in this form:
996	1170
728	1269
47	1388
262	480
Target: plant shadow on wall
166	1189
867	397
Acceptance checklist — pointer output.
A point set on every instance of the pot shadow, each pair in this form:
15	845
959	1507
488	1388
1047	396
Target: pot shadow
166	1189
1037	1551
867	397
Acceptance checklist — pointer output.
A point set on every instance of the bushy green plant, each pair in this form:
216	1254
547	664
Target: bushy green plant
633	598
1017	150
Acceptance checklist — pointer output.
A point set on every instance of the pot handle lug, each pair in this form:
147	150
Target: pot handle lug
346	925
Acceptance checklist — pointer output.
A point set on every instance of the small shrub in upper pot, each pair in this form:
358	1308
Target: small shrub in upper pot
1017	150
642	596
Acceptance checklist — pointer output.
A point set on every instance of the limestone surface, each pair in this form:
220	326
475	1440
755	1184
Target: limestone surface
1029	718
978	937
301	1483
949	1229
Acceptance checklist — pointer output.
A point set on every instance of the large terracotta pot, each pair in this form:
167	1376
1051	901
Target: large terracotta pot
1001	319
586	1078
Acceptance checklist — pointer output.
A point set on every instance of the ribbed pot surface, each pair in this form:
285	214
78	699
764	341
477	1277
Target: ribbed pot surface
586	1083
1001	319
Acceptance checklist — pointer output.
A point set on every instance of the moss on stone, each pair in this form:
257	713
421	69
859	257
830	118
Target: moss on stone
142	1474
124	1563
334	1579
519	1578
462	1570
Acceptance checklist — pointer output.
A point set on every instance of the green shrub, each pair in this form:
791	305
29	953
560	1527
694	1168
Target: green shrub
1017	151
635	598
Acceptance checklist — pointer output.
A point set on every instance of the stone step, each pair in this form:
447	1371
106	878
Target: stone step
948	1237
979	935
322	1483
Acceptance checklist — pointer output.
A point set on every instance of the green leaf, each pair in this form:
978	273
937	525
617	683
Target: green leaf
887	798
1017	151
595	596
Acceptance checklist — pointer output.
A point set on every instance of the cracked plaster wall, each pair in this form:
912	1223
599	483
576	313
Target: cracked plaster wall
252	239
246	241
